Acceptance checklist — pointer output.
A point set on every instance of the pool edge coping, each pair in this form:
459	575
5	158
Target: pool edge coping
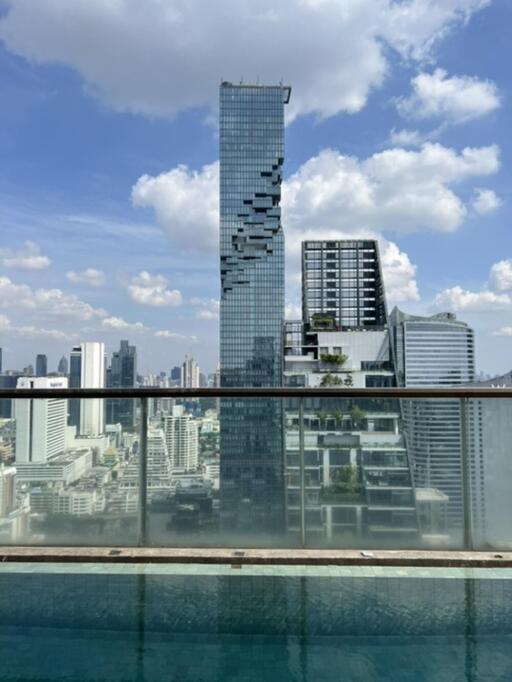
241	556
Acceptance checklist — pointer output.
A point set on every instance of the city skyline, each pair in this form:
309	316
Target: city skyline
255	314
101	241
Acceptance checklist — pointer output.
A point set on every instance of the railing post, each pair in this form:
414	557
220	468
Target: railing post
302	475
143	472
466	475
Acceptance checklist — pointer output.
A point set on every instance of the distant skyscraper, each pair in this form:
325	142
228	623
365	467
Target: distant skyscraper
41	365
40	424
175	374
8	380
87	370
189	375
0	361
63	365
215	377
252	300
342	282
122	373
182	438
434	351
75	381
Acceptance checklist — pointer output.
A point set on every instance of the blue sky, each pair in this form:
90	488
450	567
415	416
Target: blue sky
397	128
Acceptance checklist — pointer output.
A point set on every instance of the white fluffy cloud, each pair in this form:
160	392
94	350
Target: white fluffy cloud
31	332
118	324
34	310
27	258
334	196
208	308
496	295
399	275
90	276
185	203
174	336
159	58
397	190
504	331
406	138
293	311
414	26
485	201
501	275
455	98
46	302
459	299
151	290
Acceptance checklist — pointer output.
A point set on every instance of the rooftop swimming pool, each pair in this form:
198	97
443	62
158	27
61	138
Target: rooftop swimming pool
200	623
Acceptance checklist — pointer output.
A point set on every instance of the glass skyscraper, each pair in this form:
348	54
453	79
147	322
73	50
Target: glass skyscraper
122	373
41	365
252	300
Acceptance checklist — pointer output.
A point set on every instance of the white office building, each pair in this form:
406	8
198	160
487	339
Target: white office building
87	370
159	466
189	377
182	438
436	351
40	424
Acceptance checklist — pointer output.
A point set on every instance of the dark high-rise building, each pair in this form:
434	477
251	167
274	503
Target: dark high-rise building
342	285
62	367
8	381
252	300
41	365
122	373
175	374
75	381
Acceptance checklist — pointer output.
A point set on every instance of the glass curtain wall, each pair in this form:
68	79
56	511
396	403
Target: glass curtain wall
252	303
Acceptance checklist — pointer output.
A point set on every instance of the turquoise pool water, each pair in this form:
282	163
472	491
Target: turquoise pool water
182	623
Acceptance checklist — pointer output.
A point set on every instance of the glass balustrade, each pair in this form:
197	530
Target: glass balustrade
293	470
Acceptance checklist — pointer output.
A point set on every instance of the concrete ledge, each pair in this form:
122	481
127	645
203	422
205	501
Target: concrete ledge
290	557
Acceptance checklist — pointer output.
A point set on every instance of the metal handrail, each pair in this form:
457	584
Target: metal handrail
270	392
